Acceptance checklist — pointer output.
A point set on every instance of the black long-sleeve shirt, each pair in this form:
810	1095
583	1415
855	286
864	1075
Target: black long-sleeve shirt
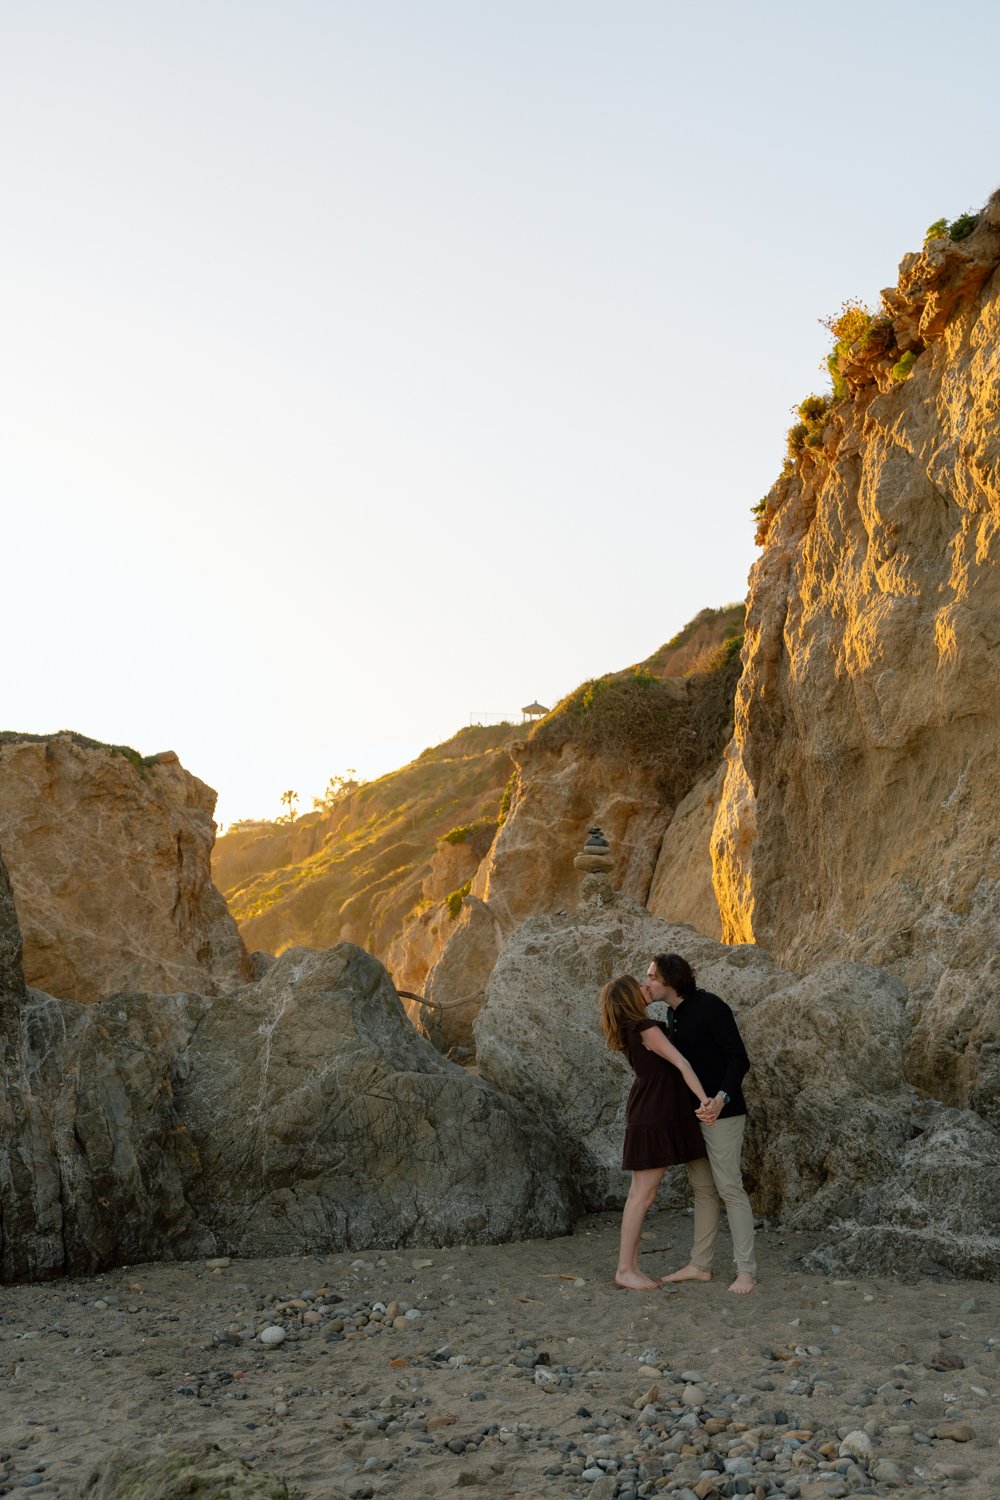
704	1029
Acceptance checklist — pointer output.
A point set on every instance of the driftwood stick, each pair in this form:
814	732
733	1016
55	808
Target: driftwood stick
440	1004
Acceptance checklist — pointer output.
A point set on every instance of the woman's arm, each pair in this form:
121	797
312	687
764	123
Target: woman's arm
655	1041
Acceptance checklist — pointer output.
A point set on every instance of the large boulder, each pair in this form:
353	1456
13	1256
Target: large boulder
837	1142
859	812
301	1113
109	856
828	1108
98	1168
322	1119
937	1215
456	985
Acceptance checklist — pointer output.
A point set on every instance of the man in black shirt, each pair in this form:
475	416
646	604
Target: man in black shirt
704	1029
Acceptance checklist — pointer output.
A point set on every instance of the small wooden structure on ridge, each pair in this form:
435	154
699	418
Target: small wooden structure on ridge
534	711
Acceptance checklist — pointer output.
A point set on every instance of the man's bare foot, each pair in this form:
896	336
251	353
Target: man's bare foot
687	1273
635	1281
744	1282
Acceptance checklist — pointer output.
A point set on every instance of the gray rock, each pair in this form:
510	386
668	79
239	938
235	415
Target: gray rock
361	1132
938	1212
11	947
831	1120
302	1113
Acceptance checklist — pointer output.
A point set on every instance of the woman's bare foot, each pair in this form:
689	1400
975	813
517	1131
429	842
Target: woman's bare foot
688	1273
635	1281
744	1282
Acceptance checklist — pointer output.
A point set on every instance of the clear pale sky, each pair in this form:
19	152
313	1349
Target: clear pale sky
368	366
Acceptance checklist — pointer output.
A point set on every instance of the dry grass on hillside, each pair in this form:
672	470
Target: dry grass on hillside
353	872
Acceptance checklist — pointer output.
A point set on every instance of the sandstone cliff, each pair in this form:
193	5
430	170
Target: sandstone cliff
110	861
859	810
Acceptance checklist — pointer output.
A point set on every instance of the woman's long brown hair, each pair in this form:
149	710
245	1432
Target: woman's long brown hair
622	1001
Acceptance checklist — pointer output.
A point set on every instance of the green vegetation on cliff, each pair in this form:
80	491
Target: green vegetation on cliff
139	763
671	714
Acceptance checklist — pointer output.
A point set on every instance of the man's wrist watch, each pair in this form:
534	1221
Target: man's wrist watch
723	1096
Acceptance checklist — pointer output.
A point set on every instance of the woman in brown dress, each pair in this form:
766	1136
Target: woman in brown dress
660	1124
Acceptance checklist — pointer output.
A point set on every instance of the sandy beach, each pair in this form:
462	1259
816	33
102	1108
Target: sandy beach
514	1369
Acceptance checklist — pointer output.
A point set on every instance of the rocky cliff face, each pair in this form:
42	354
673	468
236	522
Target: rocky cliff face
859	811
109	857
302	1112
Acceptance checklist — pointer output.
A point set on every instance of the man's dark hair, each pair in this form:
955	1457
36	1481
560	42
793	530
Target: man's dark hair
676	972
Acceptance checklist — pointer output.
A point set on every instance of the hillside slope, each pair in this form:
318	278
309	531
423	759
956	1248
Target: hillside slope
352	873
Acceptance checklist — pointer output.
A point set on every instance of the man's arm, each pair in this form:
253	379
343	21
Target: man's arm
728	1044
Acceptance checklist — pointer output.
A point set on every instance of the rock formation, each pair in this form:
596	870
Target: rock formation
859	811
681	888
109	857
631	752
302	1112
834	1131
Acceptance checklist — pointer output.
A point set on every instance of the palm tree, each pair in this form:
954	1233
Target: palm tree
290	798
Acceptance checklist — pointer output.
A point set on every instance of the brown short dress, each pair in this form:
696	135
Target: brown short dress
660	1125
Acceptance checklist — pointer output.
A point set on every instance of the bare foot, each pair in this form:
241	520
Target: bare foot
744	1282
688	1273
635	1281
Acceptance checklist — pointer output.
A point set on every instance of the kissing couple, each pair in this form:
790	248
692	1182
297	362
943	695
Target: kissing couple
686	1105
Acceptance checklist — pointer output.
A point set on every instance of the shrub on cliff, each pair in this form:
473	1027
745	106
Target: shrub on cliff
637	720
851	327
807	432
478	835
958	229
454	899
901	369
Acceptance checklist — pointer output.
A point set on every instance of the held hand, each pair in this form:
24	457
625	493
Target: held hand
709	1110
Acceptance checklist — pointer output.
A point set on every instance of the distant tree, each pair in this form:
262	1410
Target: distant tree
289	799
337	787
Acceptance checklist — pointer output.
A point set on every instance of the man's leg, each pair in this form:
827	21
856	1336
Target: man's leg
706	1223
724	1142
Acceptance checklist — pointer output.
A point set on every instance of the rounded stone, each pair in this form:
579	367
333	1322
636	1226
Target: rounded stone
272	1336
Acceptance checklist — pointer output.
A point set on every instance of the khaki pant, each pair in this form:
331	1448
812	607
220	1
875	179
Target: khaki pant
720	1178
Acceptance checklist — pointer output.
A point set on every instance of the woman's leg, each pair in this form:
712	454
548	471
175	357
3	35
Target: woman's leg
640	1195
